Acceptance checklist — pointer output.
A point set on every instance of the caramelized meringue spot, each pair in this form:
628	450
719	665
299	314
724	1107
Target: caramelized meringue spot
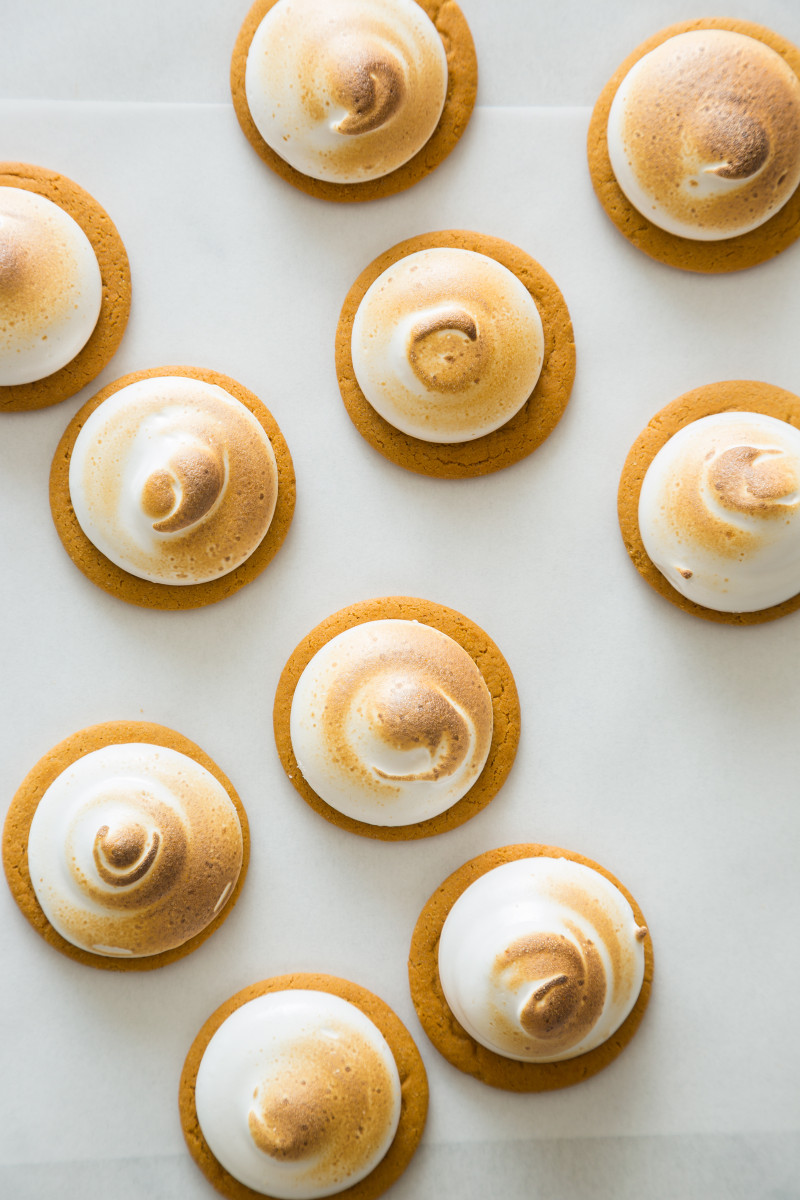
124	847
330	1100
38	269
734	137
406	714
749	479
372	90
199	478
445	350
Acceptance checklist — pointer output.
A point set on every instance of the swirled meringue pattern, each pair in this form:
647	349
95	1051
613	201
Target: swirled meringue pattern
447	345
50	287
346	90
173	480
391	722
541	959
133	849
704	134
719	511
298	1094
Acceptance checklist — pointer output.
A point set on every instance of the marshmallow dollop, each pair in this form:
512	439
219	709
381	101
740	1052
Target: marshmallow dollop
447	344
541	959
134	849
50	287
298	1094
704	134
719	511
174	480
391	722
346	90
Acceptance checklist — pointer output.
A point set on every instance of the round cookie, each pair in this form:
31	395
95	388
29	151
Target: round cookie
513	441
729	254
38	780
736	395
116	276
120	583
413	1079
462	85
452	1040
497	676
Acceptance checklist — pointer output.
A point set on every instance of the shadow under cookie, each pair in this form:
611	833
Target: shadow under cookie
496	675
116	295
143	592
26	800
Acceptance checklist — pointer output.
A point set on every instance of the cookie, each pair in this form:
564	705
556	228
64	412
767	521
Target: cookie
144	592
116	289
739	395
26	802
413	1082
449	1036
496	676
519	436
728	254
462	82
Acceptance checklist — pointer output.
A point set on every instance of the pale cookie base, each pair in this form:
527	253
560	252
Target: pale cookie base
114	271
735	395
527	429
25	803
462	85
729	254
449	1036
497	677
413	1083
113	579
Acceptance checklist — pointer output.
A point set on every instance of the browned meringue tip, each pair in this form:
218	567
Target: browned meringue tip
443	1029
496	675
462	84
25	802
116	279
144	593
712	257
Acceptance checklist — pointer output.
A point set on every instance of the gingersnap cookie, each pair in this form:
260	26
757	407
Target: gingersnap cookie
126	846
694	145
303	1085
708	502
397	718
172	488
466	342
66	292
530	968
352	100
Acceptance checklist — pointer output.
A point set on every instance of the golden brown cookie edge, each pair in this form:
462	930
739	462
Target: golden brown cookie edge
462	86
25	802
142	592
497	676
413	1081
115	274
448	1035
527	429
728	254
733	395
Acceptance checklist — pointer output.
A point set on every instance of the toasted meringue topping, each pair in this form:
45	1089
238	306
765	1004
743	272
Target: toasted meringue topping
133	850
391	722
174	480
541	959
50	287
447	345
719	511
346	90
704	134
298	1095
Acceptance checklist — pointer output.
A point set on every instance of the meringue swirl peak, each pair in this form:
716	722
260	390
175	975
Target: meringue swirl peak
346	90
51	289
719	511
704	134
391	722
174	480
447	344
